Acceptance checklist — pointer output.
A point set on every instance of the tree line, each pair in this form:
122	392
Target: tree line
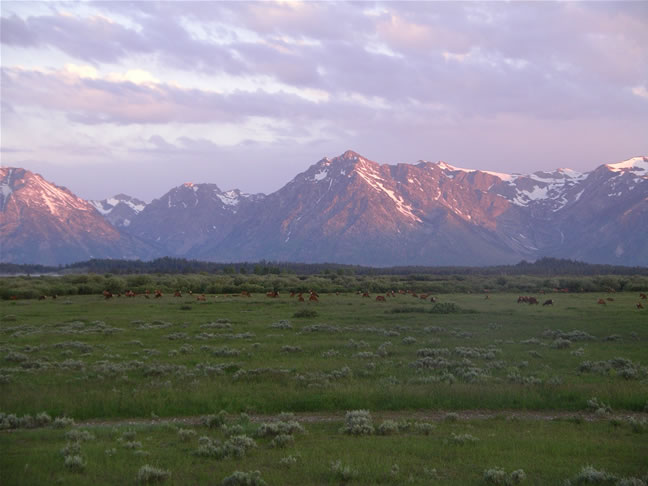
543	267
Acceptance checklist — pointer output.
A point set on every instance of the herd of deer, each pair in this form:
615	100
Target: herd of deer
391	293
532	300
314	296
639	305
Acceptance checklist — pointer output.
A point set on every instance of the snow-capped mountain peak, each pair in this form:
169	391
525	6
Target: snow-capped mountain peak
45	223
120	209
636	165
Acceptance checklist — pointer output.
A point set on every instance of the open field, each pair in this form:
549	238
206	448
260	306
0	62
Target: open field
548	389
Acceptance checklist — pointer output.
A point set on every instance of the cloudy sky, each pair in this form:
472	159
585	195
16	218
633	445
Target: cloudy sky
139	97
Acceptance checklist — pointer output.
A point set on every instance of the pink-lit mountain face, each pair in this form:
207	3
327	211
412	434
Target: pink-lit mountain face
43	223
351	210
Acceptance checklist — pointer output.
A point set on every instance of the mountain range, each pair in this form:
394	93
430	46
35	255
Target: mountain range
346	210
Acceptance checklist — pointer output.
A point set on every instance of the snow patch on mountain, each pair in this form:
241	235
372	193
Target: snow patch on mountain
636	165
369	175
5	192
98	205
451	168
55	198
229	198
107	206
550	188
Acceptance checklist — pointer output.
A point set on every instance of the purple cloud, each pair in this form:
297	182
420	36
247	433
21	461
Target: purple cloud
397	81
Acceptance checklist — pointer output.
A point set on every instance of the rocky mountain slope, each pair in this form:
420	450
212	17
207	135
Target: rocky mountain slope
189	216
352	210
43	223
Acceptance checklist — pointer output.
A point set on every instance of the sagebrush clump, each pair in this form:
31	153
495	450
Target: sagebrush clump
75	463
240	478
148	474
358	422
342	472
499	477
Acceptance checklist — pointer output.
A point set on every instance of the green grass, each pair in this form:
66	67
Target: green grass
90	358
125	366
548	452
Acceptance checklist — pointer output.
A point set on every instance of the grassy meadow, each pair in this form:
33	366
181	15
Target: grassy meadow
467	390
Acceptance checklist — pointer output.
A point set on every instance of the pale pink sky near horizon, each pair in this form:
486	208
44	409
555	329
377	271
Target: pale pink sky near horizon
139	97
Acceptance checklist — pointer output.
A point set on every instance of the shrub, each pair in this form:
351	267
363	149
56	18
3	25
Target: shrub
358	422
62	422
281	325
423	428
561	343
235	429
75	463
343	472
598	407
209	448
268	429
631	482
42	419
282	440
16	357
186	434
498	476
637	425
148	474
215	421
388	427
462	439
238	445
451	417
288	461
590	475
71	449
239	478
495	476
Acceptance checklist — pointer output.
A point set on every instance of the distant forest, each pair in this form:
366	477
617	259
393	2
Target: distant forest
546	267
171	274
